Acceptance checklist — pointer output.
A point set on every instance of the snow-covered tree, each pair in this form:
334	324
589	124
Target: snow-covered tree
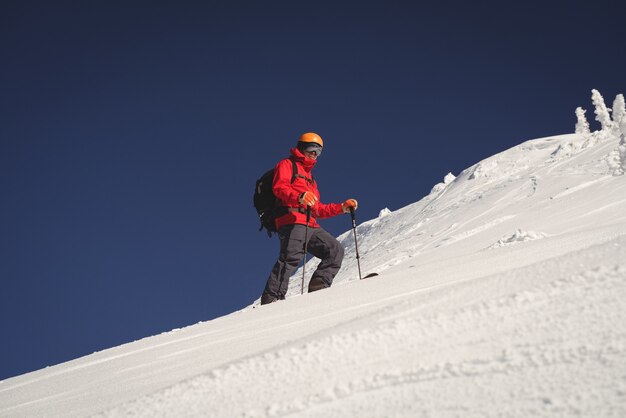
617	157
602	112
619	109
619	114
582	126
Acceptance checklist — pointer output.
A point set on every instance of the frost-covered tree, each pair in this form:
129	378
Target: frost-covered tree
617	158
619	109
582	126
619	113
602	112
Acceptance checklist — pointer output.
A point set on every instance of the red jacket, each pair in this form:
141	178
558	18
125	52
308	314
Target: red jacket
288	193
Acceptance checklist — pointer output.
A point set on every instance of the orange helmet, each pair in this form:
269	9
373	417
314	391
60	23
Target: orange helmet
312	137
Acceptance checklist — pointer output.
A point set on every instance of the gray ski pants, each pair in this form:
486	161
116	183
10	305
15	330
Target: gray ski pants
321	245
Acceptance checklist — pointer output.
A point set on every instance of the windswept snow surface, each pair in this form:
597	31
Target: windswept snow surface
501	294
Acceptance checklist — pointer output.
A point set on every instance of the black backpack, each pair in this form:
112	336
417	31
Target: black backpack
265	201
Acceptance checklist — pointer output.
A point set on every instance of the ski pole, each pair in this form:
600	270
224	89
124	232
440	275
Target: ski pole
356	245
306	241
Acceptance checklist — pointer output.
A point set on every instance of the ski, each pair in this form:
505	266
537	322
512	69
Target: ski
370	275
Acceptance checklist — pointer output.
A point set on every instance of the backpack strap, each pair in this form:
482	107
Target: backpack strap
295	174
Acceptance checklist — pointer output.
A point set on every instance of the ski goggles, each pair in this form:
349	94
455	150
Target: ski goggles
312	148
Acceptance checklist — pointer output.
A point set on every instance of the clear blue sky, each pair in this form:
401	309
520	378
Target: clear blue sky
131	135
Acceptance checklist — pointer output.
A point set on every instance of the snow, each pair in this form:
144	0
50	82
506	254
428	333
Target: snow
501	294
384	212
519	236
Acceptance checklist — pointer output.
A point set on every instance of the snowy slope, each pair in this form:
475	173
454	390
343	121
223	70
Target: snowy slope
502	293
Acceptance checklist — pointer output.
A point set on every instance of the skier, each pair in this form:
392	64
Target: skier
295	197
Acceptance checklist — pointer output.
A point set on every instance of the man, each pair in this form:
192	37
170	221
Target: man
294	198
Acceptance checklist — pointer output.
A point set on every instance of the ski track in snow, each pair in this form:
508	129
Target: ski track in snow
476	230
578	187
